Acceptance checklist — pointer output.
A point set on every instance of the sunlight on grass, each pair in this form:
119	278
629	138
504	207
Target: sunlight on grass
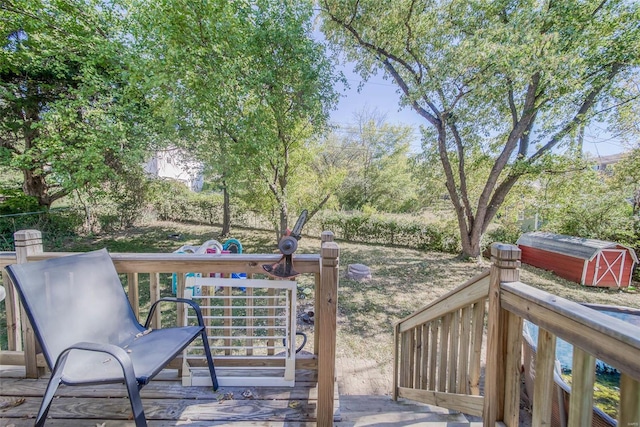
403	280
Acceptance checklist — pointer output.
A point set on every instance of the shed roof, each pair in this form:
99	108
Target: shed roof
577	247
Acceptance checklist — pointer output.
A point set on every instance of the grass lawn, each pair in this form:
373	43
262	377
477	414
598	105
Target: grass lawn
403	280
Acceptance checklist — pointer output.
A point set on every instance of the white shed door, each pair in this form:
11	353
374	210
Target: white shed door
609	266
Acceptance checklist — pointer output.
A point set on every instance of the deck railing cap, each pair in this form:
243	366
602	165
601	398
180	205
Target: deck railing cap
505	255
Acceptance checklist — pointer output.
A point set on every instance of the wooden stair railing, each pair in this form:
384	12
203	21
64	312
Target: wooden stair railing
437	351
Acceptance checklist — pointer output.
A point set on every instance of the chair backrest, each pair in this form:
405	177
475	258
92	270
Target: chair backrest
72	299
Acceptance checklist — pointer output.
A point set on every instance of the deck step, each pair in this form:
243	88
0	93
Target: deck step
381	410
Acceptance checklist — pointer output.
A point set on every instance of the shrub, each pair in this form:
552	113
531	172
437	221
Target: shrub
173	201
385	230
14	201
504	233
56	227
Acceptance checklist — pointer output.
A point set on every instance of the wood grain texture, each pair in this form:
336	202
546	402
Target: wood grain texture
543	386
513	363
466	294
396	363
463	356
472	405
164	401
583	374
443	354
477	334
327	294
629	402
12	307
433	355
609	339
185	263
133	292
154	295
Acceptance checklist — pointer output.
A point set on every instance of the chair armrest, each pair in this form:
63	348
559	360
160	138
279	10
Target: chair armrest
193	305
116	352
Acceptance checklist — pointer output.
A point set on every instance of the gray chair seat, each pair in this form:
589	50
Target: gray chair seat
148	354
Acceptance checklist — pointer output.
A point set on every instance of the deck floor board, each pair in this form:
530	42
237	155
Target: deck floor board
167	403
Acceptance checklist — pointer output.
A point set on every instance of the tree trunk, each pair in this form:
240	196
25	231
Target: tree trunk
284	217
471	244
226	211
35	185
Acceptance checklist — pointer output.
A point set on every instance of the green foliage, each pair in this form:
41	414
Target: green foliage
606	392
376	157
68	117
383	230
130	196
57	227
173	201
578	200
586	203
499	84
246	92
15	201
626	178
507	232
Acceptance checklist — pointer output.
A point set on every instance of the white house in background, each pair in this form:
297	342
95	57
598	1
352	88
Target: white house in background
175	163
602	162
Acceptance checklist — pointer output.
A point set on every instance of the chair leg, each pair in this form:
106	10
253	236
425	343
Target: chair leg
136	402
52	387
207	352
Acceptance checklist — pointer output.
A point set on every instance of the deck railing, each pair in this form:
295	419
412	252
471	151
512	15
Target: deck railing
23	348
438	349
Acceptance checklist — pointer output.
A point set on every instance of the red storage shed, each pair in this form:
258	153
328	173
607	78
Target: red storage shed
589	262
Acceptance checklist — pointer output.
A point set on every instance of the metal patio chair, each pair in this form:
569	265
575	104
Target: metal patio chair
88	331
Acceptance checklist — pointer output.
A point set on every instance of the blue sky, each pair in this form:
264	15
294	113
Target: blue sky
381	95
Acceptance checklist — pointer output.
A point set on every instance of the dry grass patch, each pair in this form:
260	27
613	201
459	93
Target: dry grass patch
403	280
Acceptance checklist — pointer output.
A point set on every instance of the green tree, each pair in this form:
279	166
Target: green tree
626	178
377	157
68	118
511	80
248	87
585	202
292	93
193	69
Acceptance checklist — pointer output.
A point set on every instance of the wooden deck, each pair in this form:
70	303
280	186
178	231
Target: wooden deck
168	403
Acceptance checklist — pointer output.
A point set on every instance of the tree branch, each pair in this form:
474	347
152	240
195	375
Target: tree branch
512	105
380	52
464	193
407	41
579	117
524	139
405	88
319	206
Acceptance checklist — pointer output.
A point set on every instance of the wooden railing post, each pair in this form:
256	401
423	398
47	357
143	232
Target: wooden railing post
327	303
27	243
543	387
502	358
154	295
396	361
133	292
583	375
629	414
12	307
